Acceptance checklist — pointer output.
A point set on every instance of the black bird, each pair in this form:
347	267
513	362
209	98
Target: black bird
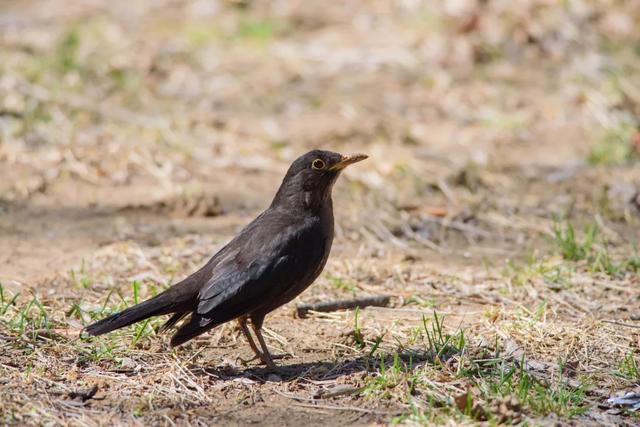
273	259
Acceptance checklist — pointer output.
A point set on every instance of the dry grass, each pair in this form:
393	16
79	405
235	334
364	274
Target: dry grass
500	207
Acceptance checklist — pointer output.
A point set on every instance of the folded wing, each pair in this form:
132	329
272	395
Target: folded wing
250	276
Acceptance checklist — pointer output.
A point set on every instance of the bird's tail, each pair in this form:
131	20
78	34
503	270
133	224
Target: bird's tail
160	304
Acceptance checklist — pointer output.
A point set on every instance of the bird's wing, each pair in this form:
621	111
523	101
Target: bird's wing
260	261
249	284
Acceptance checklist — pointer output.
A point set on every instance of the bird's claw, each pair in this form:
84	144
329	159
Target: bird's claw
281	356
246	361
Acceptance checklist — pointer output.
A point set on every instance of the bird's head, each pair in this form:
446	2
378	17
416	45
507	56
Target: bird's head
311	176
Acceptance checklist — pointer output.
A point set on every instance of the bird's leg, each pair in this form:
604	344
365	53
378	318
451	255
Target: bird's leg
265	355
242	321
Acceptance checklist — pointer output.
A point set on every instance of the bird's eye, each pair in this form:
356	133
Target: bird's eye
318	164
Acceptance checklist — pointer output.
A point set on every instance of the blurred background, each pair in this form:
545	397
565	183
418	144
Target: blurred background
136	137
195	108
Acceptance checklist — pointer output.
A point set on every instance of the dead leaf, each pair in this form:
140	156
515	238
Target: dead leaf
465	402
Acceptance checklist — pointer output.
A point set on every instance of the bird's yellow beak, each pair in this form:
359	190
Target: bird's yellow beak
347	160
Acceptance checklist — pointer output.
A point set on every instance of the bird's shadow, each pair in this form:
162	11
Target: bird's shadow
322	370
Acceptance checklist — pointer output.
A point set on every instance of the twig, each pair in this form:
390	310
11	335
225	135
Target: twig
406	229
462	227
621	324
338	390
378	301
344	408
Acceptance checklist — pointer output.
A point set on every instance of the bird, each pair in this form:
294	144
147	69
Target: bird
267	264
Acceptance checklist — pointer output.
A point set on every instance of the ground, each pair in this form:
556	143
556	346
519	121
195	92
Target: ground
499	208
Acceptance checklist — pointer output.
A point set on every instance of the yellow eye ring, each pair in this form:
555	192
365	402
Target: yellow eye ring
318	164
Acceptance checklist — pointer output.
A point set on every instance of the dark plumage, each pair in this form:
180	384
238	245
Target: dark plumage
273	259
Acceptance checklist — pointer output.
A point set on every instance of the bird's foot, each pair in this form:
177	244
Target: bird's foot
270	364
247	361
281	356
267	359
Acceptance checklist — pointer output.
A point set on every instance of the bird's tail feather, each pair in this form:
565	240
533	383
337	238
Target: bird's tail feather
172	321
191	329
196	325
156	306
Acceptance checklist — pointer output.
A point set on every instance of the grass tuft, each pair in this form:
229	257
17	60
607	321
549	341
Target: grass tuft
19	318
442	345
67	52
571	248
592	248
629	367
616	146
